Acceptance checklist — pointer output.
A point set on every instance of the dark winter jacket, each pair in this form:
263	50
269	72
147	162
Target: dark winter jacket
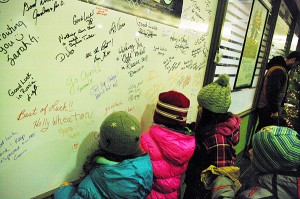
274	86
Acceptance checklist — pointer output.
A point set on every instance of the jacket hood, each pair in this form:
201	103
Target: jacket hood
177	147
229	127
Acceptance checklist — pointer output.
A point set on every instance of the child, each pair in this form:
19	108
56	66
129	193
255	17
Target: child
117	169
169	143
217	131
275	162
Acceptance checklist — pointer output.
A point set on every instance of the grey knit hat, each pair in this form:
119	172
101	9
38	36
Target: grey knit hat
216	96
120	134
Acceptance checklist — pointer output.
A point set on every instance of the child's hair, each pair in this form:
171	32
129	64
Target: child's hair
171	109
209	120
119	139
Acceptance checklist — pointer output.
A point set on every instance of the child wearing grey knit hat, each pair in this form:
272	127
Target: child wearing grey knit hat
217	131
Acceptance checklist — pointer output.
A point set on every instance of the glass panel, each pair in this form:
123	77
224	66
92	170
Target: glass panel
233	36
294	43
279	38
252	46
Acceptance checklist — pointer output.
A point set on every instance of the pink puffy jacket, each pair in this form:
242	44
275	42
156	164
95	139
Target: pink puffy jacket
170	152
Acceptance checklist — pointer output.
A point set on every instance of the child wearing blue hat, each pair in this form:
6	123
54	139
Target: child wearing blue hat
118	169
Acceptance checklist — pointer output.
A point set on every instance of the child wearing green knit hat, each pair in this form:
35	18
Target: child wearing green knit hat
217	131
118	168
216	97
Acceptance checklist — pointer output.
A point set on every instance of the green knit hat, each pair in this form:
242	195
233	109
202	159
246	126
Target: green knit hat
276	148
216	96
120	134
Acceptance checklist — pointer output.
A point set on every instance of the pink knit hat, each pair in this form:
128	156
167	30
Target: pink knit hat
171	109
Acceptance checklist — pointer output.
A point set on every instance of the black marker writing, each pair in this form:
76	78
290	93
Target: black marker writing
10	29
27	86
85	17
23	47
62	56
116	26
42	9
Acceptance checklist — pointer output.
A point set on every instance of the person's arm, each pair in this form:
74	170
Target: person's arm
81	191
66	190
221	181
222	187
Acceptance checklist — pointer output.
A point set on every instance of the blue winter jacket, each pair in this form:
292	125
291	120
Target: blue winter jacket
131	178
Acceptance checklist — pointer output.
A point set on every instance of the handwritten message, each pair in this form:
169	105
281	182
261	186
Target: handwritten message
41	8
83	81
14	42
73	39
180	43
102	52
202	47
13	146
112	107
146	28
152	92
56	114
197	12
170	64
193	65
101	11
26	87
161	50
134	91
133	57
179	79
197	80
117	26
104	86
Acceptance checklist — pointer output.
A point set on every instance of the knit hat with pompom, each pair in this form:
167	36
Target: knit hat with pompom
216	97
120	134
